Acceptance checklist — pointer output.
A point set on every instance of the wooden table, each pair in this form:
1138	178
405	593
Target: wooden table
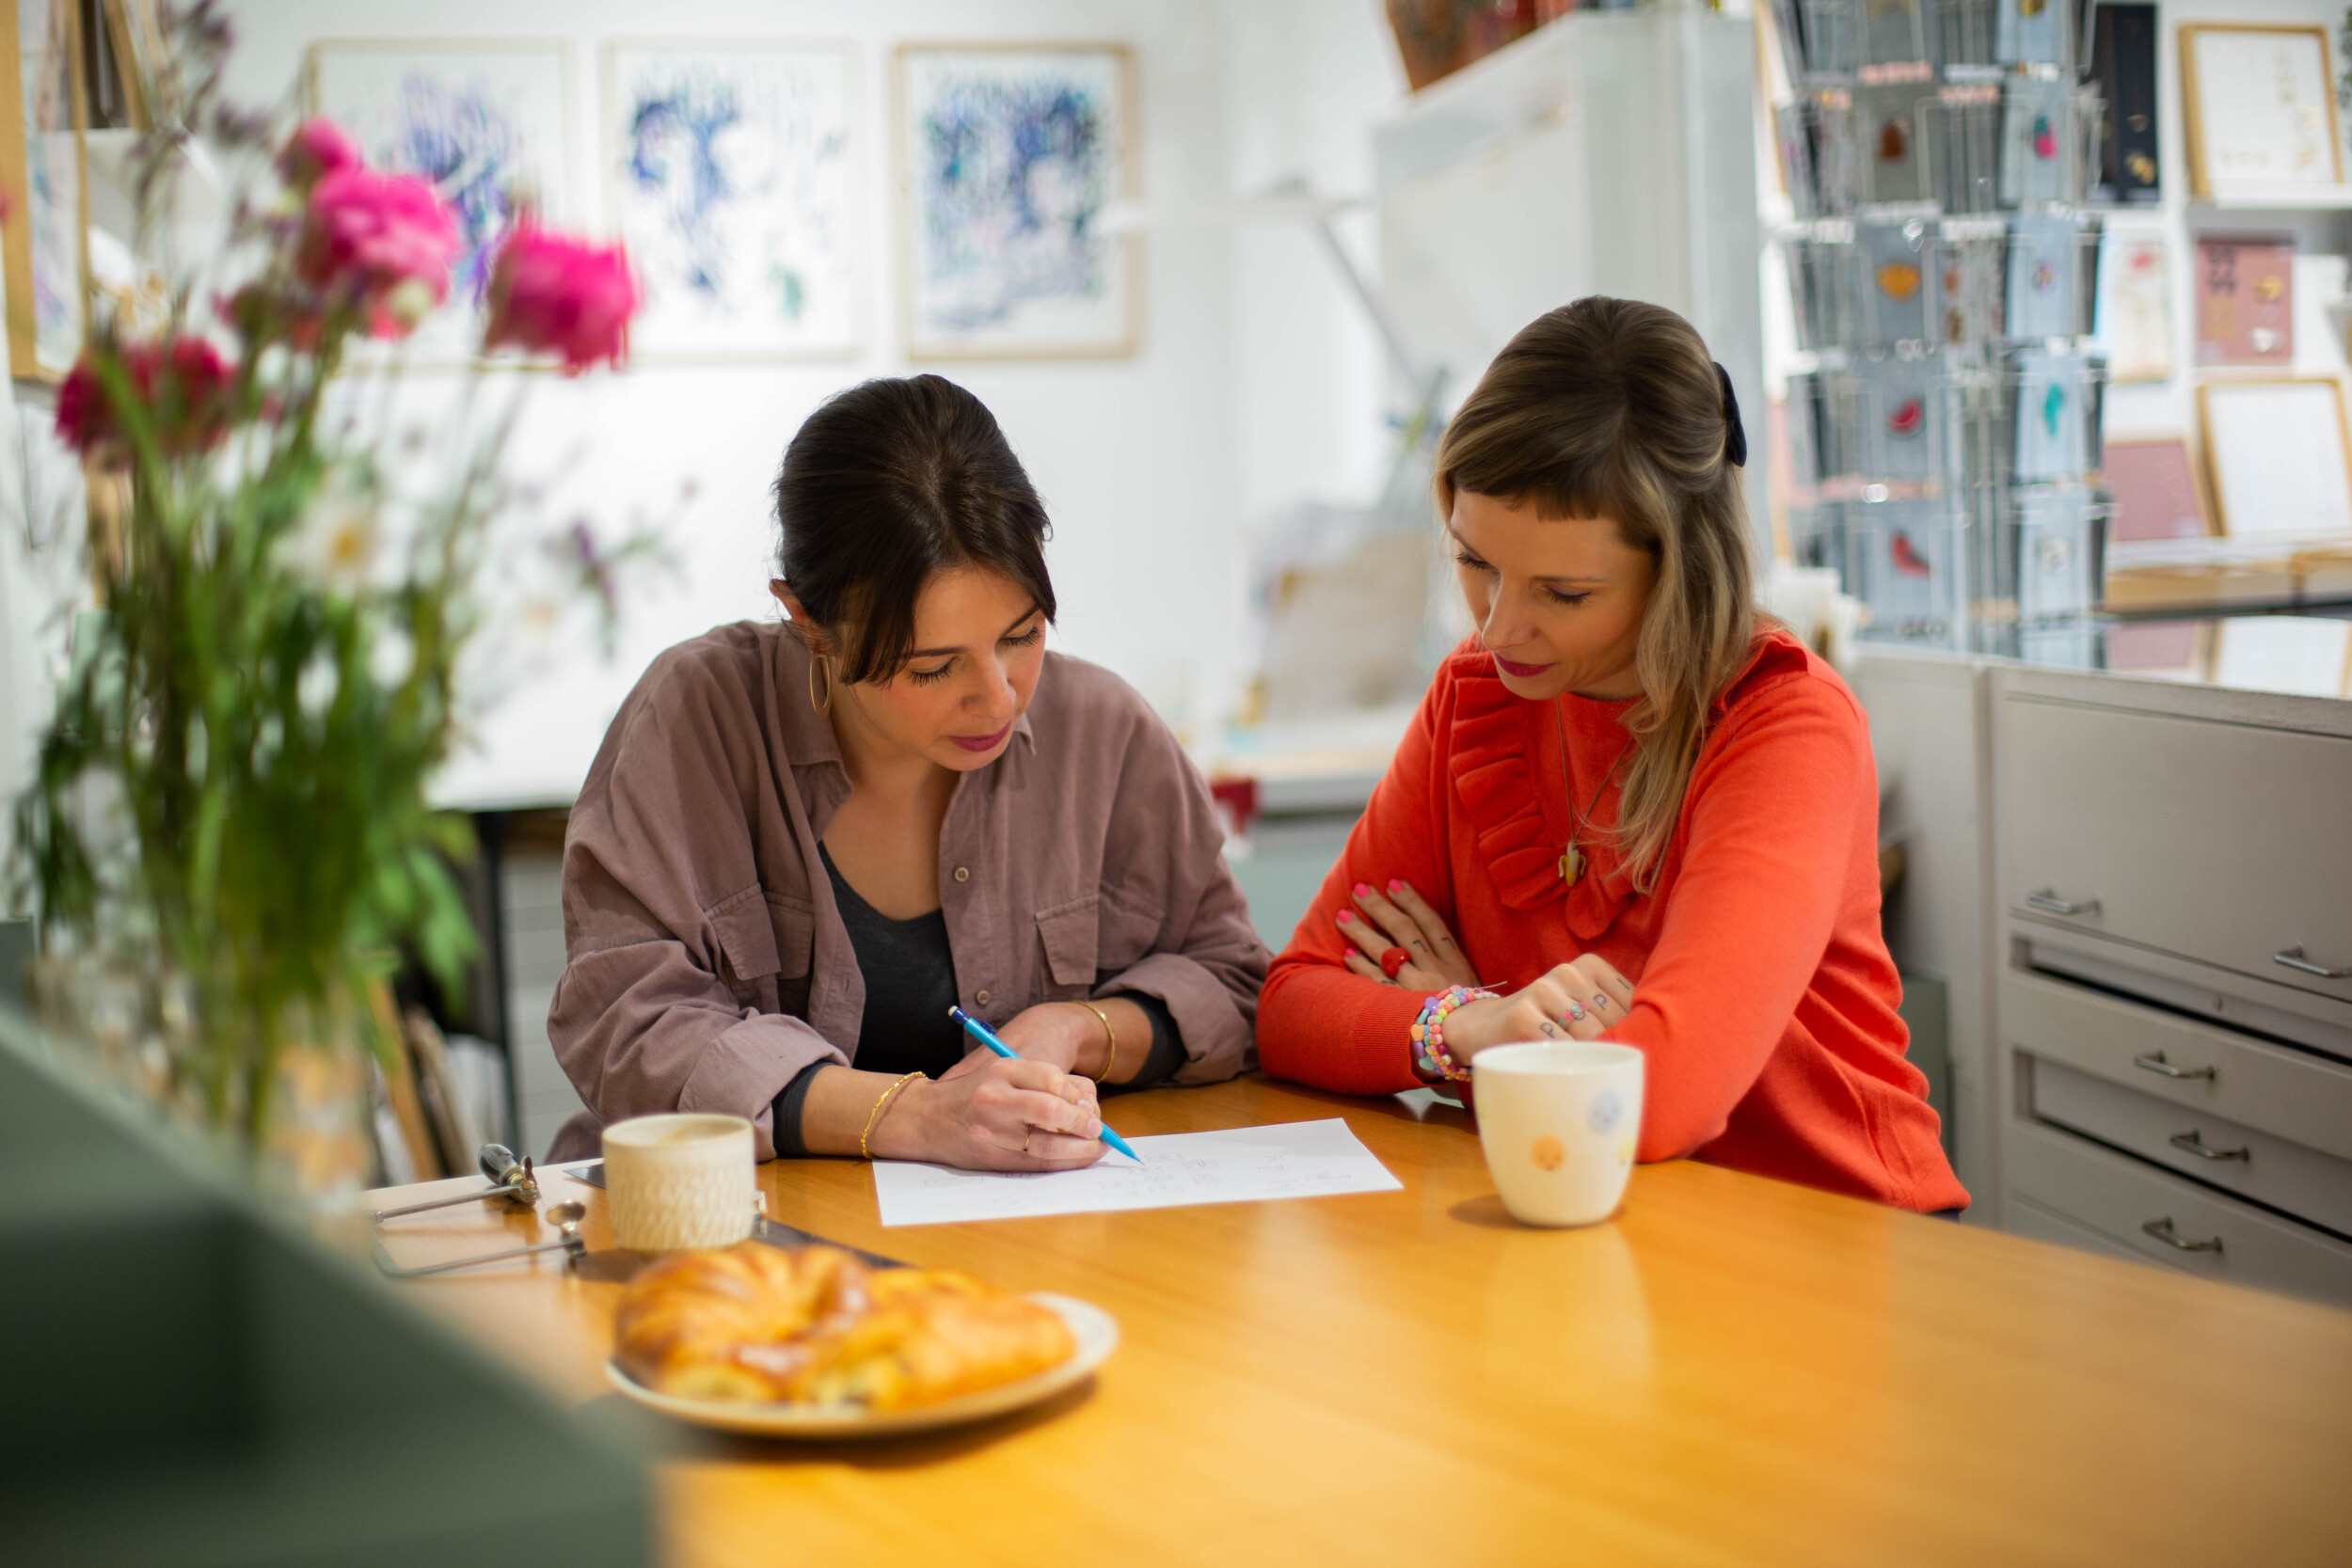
1734	1370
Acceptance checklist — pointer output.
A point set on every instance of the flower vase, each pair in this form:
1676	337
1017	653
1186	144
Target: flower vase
135	1020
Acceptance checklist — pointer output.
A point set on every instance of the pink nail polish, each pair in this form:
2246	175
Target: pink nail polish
1396	884
1363	890
1345	918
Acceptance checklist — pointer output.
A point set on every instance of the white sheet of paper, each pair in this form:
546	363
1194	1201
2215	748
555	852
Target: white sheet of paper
1242	1164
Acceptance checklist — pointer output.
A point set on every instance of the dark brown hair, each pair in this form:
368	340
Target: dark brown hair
885	484
1613	408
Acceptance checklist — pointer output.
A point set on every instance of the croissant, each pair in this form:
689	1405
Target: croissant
815	1325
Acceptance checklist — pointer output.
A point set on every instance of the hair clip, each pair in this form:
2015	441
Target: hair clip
1736	435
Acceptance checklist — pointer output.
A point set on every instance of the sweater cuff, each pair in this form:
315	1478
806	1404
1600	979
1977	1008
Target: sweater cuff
784	1120
1167	1050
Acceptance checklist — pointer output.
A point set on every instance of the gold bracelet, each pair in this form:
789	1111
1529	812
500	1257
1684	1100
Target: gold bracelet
1110	1062
875	1115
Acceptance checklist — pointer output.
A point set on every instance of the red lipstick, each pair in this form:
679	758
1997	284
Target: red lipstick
983	742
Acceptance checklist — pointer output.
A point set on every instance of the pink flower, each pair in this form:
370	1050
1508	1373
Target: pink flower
383	242
550	294
183	385
317	149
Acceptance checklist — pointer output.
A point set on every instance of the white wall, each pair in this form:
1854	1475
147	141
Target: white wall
1253	384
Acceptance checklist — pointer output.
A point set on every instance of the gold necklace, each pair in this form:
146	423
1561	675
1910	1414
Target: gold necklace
1573	861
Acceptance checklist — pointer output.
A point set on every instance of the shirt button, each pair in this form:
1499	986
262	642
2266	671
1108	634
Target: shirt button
963	873
980	997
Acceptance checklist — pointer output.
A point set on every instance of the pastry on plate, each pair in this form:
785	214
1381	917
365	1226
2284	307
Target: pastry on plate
815	1325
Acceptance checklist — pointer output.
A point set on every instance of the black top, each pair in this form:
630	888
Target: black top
910	975
910	984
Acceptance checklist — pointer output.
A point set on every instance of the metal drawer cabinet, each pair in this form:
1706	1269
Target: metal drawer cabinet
2228	844
2253	1164
2163	1219
2297	1095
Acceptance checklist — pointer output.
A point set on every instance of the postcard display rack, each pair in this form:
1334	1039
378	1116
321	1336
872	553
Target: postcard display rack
1945	414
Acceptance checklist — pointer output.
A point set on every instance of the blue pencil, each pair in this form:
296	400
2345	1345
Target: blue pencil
987	1037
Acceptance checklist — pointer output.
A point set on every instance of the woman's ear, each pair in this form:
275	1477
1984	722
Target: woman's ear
802	625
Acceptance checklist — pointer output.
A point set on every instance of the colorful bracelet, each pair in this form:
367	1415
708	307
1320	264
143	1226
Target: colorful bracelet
1430	1057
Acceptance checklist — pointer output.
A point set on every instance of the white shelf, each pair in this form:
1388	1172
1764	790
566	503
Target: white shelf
2278	199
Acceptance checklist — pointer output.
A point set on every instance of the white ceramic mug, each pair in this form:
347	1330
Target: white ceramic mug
681	1180
1559	1119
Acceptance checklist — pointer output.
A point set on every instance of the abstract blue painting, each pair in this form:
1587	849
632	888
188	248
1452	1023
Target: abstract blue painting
487	123
1016	161
733	176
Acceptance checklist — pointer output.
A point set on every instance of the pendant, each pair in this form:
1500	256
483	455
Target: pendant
1572	865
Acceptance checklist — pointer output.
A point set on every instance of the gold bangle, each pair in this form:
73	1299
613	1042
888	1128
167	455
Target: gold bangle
1111	1062
875	1115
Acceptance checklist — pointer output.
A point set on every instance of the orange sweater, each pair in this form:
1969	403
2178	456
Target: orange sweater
1764	996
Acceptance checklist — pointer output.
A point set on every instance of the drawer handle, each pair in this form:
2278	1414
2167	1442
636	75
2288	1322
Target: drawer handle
2192	1143
2162	1230
2155	1063
2293	959
2048	902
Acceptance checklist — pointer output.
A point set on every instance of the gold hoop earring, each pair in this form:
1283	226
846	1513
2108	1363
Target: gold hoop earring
820	663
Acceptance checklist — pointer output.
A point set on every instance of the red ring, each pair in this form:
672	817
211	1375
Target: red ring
1394	959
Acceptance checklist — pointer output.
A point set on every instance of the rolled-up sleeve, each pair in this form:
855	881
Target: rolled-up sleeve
665	1002
1166	855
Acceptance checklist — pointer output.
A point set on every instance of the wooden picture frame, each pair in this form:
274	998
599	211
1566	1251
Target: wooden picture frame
2258	439
2269	146
44	179
1006	322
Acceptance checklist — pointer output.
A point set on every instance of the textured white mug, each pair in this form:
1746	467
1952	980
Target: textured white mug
1559	1121
681	1180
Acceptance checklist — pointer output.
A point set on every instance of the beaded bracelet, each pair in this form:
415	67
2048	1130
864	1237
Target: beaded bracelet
1430	1057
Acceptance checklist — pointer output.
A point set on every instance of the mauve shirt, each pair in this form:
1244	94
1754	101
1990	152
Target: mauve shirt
706	963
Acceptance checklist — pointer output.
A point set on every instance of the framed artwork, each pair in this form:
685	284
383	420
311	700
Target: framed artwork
488	122
2134	309
2123	64
45	180
2245	301
2281	457
733	173
1011	158
2260	105
2155	490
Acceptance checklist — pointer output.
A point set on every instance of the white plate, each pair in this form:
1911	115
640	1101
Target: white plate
1096	1331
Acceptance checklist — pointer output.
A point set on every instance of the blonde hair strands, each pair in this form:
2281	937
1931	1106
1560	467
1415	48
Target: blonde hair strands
1613	408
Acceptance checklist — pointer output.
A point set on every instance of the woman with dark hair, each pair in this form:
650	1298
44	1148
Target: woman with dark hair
1629	808
802	843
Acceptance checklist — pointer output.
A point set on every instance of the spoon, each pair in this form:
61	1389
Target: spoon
567	1217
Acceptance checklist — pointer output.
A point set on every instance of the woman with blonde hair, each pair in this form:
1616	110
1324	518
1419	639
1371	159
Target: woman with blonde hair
1629	808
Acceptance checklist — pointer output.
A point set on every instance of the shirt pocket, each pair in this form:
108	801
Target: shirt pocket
765	942
1071	936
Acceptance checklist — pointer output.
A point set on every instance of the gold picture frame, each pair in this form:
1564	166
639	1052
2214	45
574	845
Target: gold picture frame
2195	113
44	179
1114	333
2229	518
